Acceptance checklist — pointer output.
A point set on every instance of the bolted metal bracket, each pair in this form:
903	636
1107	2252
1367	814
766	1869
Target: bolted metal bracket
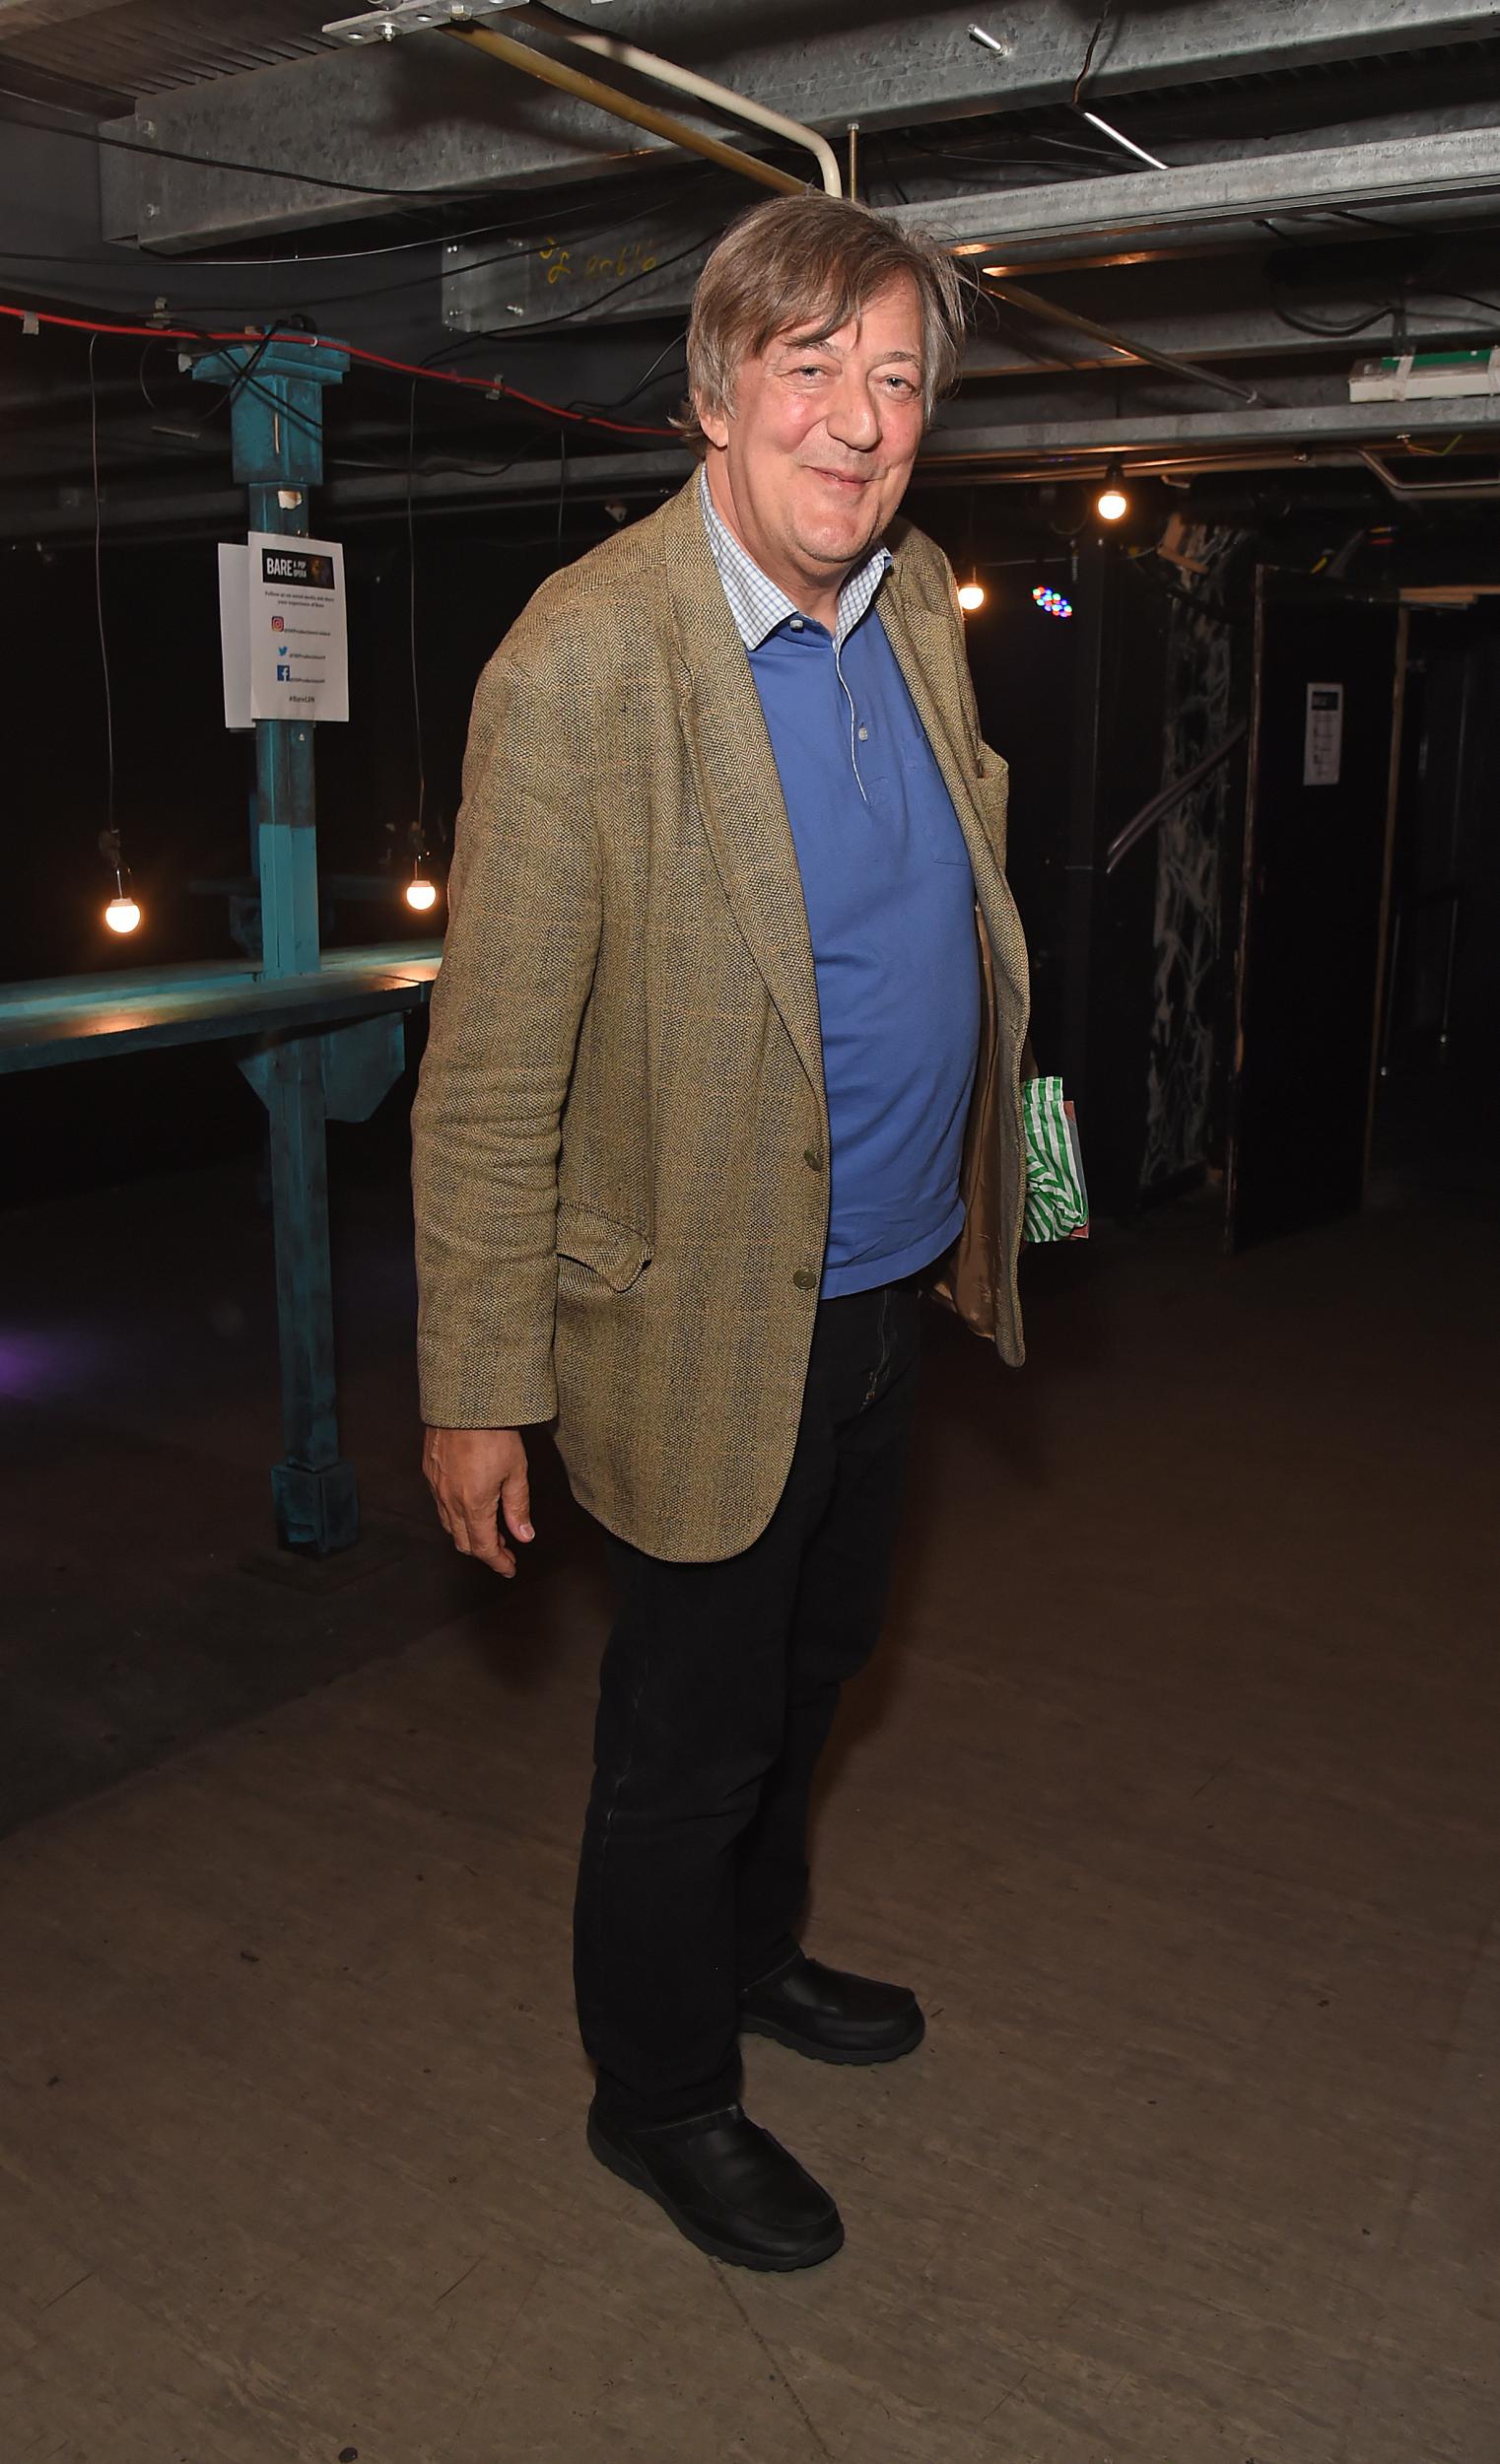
416	17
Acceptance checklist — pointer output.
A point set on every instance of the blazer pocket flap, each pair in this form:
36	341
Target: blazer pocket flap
611	1250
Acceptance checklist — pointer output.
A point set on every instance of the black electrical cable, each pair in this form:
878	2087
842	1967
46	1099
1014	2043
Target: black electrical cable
210	162
622	401
411	592
1471	299
1088	57
130	265
338	299
346	461
98	589
1336	333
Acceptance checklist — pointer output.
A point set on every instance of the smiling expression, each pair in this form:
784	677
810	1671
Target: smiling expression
815	459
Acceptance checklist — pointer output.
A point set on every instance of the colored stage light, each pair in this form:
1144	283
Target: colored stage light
1052	602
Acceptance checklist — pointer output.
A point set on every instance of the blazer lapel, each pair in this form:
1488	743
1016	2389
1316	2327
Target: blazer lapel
739	793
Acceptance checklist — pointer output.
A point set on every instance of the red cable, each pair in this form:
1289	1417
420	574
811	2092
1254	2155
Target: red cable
374	359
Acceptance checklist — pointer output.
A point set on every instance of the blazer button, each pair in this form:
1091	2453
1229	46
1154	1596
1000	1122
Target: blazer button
812	1157
805	1279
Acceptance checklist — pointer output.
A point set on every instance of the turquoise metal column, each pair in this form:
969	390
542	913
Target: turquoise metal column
277	432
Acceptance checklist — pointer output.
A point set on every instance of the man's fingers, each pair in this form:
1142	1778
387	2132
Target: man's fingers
516	1505
476	1475
477	1534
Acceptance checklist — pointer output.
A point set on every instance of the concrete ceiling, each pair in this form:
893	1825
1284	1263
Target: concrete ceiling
1331	187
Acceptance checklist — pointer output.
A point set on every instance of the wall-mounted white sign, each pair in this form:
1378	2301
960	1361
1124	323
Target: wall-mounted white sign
1322	746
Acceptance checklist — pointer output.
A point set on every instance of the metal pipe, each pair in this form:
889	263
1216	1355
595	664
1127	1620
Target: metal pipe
1035	305
584	89
1405	490
1121	139
687	81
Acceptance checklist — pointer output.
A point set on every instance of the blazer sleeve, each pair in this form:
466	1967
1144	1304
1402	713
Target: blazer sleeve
525	918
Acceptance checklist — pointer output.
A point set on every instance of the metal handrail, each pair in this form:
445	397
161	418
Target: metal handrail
1149	815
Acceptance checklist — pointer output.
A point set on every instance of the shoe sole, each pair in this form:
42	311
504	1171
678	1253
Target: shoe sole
865	2055
625	2170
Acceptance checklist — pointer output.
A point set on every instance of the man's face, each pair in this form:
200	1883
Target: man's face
816	458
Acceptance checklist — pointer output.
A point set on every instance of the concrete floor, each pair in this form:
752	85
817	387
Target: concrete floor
1174	1794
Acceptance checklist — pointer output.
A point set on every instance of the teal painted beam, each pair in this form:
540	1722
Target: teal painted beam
276	422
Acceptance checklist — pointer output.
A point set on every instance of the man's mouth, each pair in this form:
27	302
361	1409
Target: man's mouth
851	480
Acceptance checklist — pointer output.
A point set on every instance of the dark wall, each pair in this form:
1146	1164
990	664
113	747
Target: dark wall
182	782
183	786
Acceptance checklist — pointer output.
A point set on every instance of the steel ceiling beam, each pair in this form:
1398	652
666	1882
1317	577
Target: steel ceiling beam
1303	436
1099	438
407	116
1206	202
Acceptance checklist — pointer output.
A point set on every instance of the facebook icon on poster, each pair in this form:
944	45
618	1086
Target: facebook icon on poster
283	673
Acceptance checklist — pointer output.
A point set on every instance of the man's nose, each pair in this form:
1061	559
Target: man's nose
853	418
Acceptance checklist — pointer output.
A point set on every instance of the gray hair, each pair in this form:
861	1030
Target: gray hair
813	262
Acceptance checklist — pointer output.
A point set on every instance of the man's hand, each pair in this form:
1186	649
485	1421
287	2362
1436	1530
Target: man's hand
477	1477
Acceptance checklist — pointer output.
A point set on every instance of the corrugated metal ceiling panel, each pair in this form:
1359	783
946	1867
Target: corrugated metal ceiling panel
150	46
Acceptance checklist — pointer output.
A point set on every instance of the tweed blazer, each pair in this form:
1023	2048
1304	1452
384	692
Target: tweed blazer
621	1134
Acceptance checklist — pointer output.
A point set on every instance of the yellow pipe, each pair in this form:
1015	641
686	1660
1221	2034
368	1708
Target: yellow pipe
585	88
701	89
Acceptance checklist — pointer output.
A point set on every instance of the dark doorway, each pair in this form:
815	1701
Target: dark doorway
1325	719
1437	1115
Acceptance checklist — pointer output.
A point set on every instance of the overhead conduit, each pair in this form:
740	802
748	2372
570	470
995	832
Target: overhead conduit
454	17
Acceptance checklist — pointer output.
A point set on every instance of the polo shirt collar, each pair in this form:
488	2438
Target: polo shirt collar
757	604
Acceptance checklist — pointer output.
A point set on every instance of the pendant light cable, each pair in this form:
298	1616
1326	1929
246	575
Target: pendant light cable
420	833
98	589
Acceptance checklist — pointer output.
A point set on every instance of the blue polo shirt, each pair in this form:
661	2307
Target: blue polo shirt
889	896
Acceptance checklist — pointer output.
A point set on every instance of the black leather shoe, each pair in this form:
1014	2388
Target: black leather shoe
731	2187
831	2016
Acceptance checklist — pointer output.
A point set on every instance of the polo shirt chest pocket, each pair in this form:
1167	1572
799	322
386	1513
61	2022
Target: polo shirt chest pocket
931	807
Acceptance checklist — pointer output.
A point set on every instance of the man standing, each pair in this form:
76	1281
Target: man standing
720	1067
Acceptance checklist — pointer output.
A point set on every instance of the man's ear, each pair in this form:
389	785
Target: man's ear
715	423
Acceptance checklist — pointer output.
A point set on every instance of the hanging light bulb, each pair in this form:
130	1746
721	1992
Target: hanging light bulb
1113	505
420	893
971	596
124	912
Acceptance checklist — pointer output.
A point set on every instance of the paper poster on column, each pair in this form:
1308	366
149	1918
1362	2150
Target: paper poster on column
235	632
298	636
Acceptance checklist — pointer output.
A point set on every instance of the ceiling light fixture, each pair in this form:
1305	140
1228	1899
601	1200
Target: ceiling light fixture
1113	504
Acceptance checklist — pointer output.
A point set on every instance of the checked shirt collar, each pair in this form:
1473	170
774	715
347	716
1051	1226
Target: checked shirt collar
757	605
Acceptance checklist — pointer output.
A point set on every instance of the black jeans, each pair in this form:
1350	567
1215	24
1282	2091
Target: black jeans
718	1691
